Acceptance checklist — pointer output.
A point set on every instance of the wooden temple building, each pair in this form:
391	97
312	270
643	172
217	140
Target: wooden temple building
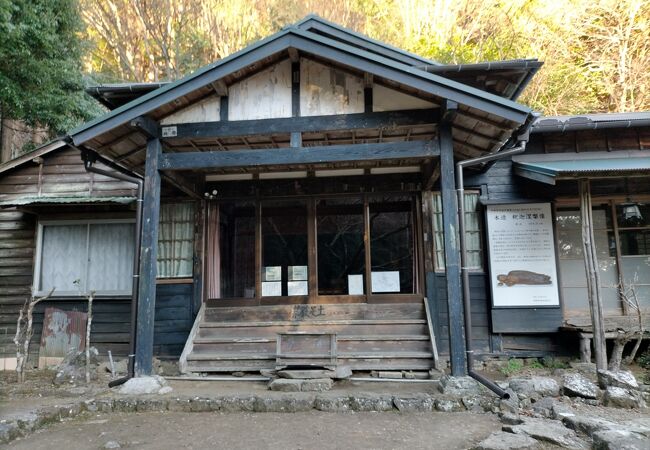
297	203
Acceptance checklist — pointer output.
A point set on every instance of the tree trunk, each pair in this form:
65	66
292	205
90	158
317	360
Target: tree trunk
593	276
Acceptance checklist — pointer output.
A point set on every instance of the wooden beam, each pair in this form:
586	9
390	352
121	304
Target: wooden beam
385	120
455	308
148	126
294	55
223	108
431	174
302	155
220	88
183	184
367	92
148	256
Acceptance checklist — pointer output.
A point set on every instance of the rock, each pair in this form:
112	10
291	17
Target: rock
511	419
622	398
332	404
560	411
410	375
9	431
550	431
239	374
73	367
535	386
287	403
316	385
343	372
507	441
448	405
305	374
112	444
622	379
121	366
435	374
544	406
165	390
270	373
285	385
390	375
587	424
238	403
416	403
612	439
143	385
510	405
371	402
459	386
576	385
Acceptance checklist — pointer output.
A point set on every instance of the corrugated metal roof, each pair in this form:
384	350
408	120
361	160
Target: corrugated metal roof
547	124
548	168
68	200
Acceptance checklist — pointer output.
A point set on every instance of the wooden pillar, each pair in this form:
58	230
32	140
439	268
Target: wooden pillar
455	308
148	256
198	263
429	270
593	275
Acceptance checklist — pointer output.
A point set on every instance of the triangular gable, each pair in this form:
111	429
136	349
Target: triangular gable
316	24
325	48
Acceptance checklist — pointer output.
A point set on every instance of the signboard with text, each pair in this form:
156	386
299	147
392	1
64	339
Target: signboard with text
523	271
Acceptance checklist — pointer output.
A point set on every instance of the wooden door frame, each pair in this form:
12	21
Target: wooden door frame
313	297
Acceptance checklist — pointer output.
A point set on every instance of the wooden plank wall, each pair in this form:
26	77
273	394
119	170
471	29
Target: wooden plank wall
61	175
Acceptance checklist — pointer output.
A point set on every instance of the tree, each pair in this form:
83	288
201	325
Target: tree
40	64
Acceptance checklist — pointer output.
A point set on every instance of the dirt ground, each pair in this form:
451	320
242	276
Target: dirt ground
311	430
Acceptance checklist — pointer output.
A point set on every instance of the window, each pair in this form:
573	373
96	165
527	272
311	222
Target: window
633	220
76	257
341	250
472	232
392	245
175	240
284	248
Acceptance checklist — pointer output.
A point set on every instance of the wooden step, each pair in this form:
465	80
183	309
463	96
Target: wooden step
352	311
287	323
271	331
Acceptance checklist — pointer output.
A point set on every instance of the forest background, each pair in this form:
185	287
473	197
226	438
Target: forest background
596	52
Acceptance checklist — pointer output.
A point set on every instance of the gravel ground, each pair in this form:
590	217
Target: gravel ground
312	430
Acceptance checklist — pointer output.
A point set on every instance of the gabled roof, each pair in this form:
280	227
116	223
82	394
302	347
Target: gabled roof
43	150
316	24
491	105
114	95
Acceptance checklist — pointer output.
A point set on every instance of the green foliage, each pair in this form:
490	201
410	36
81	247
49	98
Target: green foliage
536	365
40	64
553	363
643	360
513	366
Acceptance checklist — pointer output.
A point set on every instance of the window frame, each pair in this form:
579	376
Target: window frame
480	232
38	255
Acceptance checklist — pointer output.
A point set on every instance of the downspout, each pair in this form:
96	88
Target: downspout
519	148
89	158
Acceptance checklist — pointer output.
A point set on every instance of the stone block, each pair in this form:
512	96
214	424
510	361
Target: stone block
391	375
285	385
448	405
621	439
622	398
342	373
332	404
371	402
551	431
416	403
459	386
577	385
621	378
236	403
306	374
316	385
287	403
535	386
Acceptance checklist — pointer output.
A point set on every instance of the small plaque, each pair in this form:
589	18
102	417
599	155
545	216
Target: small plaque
169	131
271	288
297	273
297	288
355	284
385	281
273	273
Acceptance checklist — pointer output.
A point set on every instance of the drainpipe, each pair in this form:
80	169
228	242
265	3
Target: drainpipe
519	148
89	158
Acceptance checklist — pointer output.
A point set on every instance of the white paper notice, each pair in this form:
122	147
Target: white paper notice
522	255
355	284
271	288
297	288
385	281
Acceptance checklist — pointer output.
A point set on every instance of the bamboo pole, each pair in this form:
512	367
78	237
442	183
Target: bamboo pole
593	276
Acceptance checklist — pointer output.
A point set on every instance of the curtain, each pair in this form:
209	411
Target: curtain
439	238
110	256
176	240
213	257
63	257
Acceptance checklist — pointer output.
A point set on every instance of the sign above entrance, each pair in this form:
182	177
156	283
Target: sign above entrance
523	271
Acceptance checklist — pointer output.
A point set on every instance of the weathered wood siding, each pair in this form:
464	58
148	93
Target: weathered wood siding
62	175
386	99
326	90
265	95
206	110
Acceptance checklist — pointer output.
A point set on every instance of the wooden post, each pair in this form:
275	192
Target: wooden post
455	308
198	263
148	256
593	275
429	268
